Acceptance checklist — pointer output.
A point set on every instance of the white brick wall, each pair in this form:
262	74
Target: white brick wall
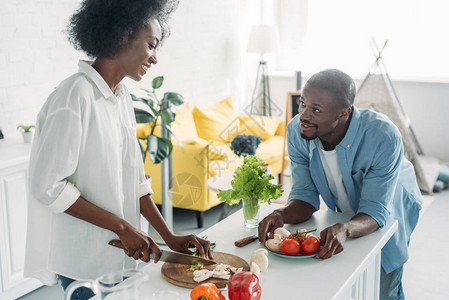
204	59
34	57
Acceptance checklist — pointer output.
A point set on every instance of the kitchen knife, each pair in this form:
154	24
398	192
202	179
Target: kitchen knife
171	256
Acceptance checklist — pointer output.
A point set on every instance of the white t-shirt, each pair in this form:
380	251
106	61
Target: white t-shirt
85	144
334	179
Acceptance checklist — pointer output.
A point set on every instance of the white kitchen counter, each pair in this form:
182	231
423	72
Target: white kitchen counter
354	273
14	158
13	151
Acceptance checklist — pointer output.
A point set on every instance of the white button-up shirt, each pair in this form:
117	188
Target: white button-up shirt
85	144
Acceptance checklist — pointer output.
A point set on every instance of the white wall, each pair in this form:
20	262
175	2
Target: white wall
425	103
204	59
34	57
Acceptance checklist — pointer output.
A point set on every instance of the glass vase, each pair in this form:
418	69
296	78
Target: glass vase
251	212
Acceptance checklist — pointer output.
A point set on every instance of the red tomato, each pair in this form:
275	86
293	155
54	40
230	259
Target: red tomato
290	247
310	245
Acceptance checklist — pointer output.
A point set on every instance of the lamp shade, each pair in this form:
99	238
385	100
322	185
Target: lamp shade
263	39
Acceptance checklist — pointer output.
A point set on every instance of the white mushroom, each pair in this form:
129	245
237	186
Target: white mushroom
274	245
260	259
284	233
278	237
255	269
261	250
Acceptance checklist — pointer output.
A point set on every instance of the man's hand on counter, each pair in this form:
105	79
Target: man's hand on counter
333	238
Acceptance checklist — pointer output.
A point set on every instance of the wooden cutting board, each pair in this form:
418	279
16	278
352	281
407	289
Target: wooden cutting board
180	275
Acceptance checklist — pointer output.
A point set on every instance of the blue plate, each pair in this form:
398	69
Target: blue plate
299	256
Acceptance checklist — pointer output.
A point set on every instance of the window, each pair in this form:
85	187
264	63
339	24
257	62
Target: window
337	34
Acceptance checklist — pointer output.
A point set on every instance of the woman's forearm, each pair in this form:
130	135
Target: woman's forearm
85	210
149	210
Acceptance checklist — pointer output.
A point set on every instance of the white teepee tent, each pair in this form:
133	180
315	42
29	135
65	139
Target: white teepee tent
377	92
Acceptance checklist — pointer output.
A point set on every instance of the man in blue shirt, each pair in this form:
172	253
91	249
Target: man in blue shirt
354	159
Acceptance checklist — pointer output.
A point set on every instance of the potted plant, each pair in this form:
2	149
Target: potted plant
158	147
251	184
27	134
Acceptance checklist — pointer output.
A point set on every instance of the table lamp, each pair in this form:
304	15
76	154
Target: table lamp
263	39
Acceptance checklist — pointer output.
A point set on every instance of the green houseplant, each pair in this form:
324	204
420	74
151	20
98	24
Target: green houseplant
158	147
27	133
252	185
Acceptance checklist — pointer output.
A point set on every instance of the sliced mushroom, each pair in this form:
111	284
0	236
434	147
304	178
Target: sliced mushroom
222	271
201	275
235	270
224	276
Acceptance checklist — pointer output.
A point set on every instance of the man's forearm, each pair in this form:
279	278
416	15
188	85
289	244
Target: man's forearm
359	225
296	211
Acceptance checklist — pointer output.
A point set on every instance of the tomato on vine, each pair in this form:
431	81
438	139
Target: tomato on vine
300	235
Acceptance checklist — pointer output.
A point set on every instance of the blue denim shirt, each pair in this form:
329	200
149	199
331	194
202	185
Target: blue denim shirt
378	179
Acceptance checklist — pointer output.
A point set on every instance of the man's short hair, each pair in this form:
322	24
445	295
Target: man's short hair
336	83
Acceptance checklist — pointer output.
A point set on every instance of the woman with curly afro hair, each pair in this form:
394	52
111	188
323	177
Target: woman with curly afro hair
87	183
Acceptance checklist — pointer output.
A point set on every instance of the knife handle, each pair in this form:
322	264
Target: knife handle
245	241
117	243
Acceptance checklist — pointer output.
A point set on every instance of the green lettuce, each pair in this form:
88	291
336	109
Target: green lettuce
251	182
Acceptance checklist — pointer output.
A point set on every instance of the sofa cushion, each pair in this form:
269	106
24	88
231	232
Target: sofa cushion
262	126
218	122
270	151
184	125
215	153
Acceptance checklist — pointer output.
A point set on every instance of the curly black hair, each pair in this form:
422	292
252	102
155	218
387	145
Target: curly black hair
100	27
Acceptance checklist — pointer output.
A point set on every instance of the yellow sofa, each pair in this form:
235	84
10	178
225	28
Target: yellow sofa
205	135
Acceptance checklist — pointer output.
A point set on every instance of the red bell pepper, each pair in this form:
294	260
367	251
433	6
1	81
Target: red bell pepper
244	286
